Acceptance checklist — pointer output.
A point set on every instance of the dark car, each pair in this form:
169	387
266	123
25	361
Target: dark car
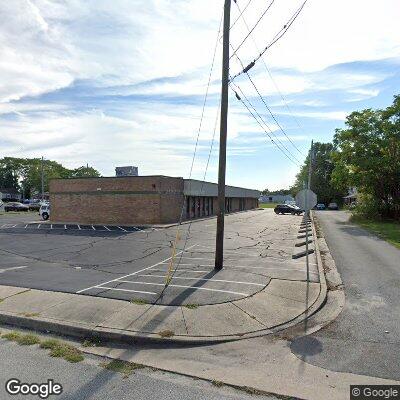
15	206
333	206
287	209
34	206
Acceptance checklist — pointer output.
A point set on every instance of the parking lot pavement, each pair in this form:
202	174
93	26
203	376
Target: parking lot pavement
135	262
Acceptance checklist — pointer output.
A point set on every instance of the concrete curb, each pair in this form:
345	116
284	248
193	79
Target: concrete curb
82	331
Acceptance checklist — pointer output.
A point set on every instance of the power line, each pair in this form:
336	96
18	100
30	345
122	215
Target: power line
252	29
273	81
275	39
289	157
273	116
171	269
241	12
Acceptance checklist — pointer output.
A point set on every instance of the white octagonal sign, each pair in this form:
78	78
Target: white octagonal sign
306	199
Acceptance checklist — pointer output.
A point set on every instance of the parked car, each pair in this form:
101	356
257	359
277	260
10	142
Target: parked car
44	211
320	206
333	206
15	206
34	206
287	209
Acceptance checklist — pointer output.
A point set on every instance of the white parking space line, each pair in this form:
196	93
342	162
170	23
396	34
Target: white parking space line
184	286
243	267
38	226
12	268
124	290
184	269
133	273
122	229
206	279
93	228
79	227
196	258
107	228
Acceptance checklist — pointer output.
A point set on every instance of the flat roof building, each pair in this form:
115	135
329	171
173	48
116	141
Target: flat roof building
143	200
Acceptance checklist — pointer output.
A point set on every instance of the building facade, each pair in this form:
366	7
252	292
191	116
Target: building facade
141	200
10	194
275	198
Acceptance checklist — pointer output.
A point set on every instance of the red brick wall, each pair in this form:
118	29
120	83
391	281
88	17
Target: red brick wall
122	200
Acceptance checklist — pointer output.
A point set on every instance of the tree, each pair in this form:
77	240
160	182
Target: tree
26	173
276	192
367	156
85	172
322	169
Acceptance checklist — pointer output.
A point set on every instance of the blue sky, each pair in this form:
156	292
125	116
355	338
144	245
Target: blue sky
123	82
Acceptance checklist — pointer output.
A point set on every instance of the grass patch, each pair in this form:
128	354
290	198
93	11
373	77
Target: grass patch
267	205
191	306
123	367
388	230
28	340
62	350
166	333
1	300
139	301
217	383
13	336
49	344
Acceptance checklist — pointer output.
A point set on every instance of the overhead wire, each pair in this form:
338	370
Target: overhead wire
273	81
241	13
238	97
272	115
171	269
252	29
274	40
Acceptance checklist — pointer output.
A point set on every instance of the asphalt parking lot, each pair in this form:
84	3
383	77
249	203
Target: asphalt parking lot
133	263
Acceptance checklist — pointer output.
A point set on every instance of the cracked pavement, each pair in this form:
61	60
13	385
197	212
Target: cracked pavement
258	247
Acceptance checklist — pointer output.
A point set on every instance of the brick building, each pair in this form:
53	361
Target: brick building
141	200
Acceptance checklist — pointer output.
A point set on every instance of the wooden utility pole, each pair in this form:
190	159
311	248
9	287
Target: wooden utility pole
219	248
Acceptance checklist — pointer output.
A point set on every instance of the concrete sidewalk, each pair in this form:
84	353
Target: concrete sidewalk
280	304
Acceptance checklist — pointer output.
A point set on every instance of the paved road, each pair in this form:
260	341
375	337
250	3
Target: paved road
365	338
88	381
124	265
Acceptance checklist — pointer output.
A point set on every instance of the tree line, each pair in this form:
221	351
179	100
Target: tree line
365	155
25	174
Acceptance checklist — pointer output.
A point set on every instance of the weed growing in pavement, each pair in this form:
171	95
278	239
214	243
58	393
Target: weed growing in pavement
28	340
166	333
139	301
30	315
63	350
123	367
13	336
191	306
92	342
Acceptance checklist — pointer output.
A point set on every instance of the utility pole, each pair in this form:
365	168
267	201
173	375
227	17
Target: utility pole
42	179
307	218
219	248
310	165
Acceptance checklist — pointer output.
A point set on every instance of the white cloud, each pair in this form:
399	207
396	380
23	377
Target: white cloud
125	48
